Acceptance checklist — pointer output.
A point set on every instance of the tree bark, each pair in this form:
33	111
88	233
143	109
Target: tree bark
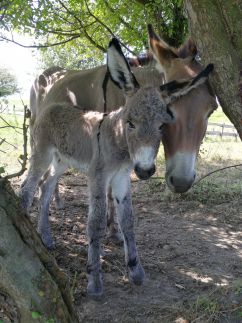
216	27
32	287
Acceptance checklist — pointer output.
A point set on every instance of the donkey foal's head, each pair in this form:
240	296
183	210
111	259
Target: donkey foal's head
146	109
144	117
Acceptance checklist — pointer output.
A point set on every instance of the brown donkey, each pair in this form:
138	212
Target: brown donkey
107	148
182	139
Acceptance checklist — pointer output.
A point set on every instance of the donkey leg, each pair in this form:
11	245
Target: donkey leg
46	191
123	204
114	232
96	229
38	164
58	201
59	204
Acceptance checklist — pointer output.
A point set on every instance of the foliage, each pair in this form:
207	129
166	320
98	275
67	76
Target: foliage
70	56
8	82
83	28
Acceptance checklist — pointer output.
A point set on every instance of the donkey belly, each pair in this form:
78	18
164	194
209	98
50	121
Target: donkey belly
81	165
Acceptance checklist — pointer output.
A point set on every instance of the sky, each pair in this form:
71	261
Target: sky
21	61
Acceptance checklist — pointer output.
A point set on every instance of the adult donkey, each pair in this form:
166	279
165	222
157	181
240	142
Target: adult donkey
107	148
182	139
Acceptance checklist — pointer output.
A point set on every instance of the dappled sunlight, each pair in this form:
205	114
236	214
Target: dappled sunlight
223	239
196	276
206	279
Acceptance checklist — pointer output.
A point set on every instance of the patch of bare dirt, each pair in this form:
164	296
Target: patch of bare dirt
191	253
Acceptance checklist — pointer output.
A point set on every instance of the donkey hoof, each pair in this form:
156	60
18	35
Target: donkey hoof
48	242
136	274
95	286
59	204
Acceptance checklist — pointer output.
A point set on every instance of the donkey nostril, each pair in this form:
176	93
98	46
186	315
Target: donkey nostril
136	168
152	171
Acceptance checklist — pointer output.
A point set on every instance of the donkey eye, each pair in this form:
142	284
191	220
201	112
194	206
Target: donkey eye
168	110
130	124
161	127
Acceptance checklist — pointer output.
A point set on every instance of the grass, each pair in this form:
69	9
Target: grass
219	117
215	306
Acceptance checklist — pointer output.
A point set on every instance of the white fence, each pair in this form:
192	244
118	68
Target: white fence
222	130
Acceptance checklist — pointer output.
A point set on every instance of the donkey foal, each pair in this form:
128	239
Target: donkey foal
107	148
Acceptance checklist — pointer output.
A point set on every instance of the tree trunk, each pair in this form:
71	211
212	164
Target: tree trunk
216	27
32	287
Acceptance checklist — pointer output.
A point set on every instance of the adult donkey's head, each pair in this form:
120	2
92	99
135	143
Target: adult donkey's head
182	138
147	109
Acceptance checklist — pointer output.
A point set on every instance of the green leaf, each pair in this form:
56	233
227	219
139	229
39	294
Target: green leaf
41	293
2	170
35	315
50	321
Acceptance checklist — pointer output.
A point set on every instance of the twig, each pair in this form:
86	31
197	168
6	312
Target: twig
73	284
151	178
9	125
39	46
9	143
215	171
24	157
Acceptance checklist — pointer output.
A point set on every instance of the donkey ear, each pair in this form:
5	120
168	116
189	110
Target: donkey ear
175	89
42	80
187	49
119	68
163	52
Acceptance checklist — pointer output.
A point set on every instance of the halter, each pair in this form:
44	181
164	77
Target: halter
99	131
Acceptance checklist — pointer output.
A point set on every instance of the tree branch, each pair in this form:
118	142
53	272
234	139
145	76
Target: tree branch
92	41
215	171
39	46
108	29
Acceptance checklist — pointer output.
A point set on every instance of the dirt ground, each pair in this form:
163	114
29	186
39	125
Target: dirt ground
191	252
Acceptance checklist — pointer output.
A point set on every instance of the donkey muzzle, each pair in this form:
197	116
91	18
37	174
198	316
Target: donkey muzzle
144	173
180	184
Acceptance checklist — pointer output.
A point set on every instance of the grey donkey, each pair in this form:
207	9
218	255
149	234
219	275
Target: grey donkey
107	148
